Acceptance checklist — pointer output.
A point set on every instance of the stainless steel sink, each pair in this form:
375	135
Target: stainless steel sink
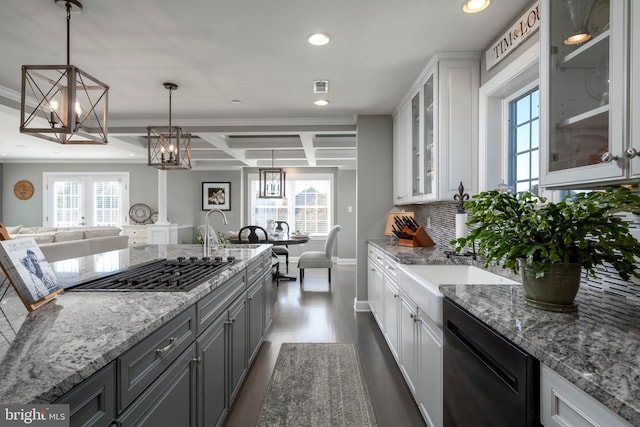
421	283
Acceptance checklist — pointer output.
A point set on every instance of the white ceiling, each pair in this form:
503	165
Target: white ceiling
248	50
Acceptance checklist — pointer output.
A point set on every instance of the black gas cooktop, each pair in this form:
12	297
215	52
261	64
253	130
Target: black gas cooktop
181	275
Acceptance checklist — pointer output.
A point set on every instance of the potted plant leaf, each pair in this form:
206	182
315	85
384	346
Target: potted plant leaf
550	243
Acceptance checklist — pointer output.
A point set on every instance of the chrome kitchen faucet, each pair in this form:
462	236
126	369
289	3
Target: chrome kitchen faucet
207	230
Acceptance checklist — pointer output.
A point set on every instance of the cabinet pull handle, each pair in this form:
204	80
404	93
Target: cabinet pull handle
196	360
391	267
228	322
250	298
631	152
161	351
396	295
608	157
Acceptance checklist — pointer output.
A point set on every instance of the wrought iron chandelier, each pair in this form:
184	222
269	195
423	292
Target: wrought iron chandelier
169	146
272	181
62	103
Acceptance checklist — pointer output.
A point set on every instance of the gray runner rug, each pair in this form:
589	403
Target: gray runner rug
317	385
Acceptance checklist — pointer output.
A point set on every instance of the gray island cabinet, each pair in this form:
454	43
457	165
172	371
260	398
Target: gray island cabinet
185	366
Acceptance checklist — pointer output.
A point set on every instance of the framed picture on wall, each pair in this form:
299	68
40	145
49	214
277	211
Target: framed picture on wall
216	195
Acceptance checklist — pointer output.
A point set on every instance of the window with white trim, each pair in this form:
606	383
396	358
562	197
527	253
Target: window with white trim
524	142
77	199
307	208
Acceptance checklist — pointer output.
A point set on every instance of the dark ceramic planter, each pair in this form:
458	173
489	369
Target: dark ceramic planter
555	291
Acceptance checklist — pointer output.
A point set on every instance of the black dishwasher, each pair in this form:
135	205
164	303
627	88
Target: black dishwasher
488	381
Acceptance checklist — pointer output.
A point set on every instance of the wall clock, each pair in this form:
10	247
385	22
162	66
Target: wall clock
23	189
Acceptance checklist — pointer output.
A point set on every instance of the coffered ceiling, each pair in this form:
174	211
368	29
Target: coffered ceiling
220	52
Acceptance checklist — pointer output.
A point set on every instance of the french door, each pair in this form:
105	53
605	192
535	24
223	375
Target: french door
81	199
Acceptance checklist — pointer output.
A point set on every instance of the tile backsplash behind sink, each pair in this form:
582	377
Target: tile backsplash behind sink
441	217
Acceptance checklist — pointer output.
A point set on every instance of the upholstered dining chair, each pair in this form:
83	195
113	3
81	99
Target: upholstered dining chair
319	259
258	234
282	250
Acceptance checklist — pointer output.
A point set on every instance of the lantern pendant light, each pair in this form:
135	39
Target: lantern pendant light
169	146
272	182
62	103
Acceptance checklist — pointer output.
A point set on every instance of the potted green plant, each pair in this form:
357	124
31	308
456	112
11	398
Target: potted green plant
550	243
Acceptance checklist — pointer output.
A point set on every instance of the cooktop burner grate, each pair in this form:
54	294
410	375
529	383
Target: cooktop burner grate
163	275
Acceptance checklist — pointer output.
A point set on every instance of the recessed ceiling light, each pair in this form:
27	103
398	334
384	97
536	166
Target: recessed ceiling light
318	39
131	155
321	102
4	154
475	6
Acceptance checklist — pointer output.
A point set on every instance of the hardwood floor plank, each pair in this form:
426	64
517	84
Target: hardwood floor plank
319	312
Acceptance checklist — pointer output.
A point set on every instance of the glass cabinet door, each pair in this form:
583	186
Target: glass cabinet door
583	85
428	131
416	189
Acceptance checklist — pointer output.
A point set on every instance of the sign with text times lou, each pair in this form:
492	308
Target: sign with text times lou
526	25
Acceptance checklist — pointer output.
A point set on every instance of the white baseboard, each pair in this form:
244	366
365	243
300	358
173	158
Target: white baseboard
360	306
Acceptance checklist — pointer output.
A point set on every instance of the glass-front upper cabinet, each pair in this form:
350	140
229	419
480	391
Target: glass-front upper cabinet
428	135
416	188
584	101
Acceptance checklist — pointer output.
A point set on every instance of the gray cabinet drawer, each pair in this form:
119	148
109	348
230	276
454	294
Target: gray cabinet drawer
215	303
267	260
141	365
93	403
254	270
170	401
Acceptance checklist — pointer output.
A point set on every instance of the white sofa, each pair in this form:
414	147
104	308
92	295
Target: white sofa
58	243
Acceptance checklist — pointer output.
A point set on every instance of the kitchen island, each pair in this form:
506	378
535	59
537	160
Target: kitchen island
47	352
596	349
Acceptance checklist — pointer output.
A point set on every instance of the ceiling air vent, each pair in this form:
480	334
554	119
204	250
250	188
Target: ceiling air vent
321	86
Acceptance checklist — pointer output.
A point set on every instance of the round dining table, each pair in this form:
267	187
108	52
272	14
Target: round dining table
284	240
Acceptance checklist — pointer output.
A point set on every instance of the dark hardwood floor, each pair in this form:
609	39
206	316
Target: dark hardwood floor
315	312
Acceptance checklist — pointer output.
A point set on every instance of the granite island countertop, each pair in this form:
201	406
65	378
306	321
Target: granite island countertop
597	348
45	353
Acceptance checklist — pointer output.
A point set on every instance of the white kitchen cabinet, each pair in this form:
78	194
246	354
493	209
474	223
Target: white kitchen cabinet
391	308
421	346
430	366
409	342
436	131
588	134
565	405
634	109
402	155
374	283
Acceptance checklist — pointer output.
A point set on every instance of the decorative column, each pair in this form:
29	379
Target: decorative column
162	232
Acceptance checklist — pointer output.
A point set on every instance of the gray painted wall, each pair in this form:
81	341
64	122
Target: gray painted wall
346	197
344	187
485	75
374	187
184	193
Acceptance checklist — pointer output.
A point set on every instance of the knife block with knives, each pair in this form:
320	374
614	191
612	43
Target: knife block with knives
410	233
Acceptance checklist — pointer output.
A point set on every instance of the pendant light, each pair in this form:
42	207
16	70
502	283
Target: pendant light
62	103
272	181
169	146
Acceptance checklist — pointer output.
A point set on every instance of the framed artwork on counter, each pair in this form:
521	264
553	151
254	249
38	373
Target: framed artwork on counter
216	195
28	271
